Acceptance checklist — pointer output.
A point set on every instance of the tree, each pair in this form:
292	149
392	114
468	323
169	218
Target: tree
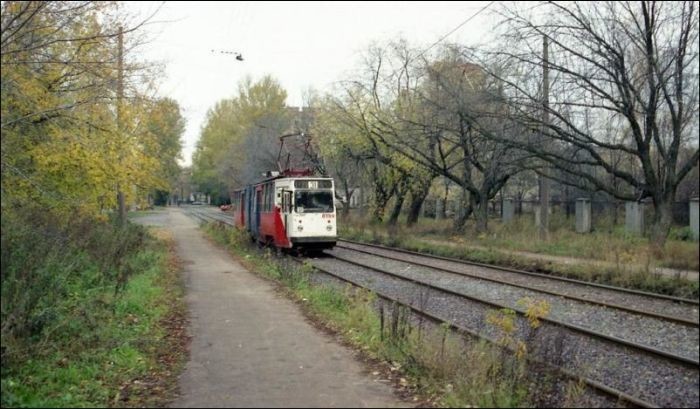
435	116
164	128
390	173
465	101
239	136
340	146
624	100
61	147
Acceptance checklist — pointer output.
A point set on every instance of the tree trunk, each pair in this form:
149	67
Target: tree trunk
441	213
381	199
414	209
396	211
417	199
346	203
361	206
461	220
122	207
663	217
379	210
464	210
482	212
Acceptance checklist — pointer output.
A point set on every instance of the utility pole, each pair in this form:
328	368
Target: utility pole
544	181
120	96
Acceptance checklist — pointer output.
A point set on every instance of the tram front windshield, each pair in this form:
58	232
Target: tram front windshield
318	201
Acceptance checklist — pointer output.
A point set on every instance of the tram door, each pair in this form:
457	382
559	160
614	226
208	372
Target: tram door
287	210
258	207
241	206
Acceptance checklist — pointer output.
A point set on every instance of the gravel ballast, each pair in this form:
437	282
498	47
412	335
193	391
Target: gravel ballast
639	374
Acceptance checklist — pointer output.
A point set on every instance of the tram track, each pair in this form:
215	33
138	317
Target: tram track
685	359
619	366
687	310
623	366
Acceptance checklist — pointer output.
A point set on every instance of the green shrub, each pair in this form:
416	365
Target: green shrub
682	234
81	304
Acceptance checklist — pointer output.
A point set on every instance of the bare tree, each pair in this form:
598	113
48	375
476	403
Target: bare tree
389	177
623	101
466	102
436	116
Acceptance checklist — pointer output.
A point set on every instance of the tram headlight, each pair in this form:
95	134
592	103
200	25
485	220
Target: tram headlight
300	228
329	227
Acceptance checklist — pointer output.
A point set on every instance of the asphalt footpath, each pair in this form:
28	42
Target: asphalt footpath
251	347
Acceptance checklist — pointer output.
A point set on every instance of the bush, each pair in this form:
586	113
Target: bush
682	234
85	312
49	265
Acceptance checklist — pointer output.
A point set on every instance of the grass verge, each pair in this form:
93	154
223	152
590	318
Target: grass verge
429	362
94	334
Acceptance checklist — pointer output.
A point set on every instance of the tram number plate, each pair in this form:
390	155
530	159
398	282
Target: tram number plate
328	216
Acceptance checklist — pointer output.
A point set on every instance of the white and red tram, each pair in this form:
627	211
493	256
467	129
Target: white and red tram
288	212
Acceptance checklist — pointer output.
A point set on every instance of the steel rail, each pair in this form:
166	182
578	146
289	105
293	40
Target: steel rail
647	349
652	314
530	273
671	318
607	390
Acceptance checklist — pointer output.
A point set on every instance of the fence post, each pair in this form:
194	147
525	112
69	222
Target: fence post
508	210
695	217
583	215
634	217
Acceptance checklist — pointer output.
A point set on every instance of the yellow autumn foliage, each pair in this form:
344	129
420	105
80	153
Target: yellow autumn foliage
62	148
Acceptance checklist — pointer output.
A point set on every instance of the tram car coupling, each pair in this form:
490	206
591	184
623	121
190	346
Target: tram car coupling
288	212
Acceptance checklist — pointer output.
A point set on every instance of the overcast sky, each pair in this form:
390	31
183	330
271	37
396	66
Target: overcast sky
302	44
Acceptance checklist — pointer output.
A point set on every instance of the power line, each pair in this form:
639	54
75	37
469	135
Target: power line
444	37
455	29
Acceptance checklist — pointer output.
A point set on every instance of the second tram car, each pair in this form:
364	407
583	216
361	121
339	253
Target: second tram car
288	212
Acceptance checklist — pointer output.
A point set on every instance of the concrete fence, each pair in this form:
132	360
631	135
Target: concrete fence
586	214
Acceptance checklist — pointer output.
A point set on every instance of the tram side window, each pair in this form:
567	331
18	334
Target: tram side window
264	203
267	206
270	192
